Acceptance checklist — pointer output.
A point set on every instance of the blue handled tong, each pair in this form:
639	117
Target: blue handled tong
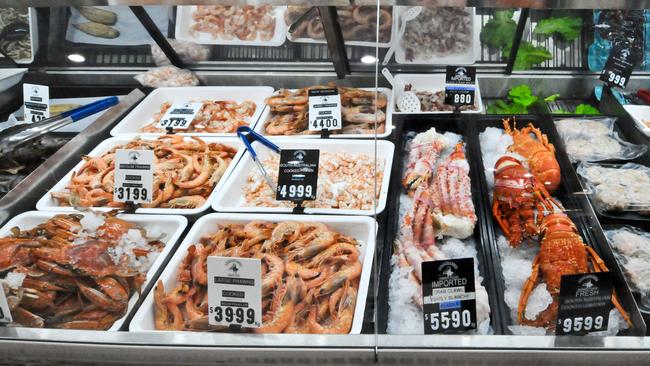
249	136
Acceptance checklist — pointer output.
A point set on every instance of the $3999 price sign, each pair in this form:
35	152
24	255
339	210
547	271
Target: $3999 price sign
235	291
298	175
133	176
619	66
179	115
324	110
449	297
584	303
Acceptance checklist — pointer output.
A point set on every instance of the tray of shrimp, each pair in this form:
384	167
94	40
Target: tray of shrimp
288	113
224	109
345	179
315	273
82	270
248	25
189	173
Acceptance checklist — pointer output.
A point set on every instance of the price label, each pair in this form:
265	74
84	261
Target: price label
36	99
298	175
179	115
584	303
324	110
235	291
5	313
619	66
133	176
449	297
460	85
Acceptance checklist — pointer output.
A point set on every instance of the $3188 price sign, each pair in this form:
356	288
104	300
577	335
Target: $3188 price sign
233	315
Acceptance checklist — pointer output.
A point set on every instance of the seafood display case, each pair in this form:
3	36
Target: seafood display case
437	232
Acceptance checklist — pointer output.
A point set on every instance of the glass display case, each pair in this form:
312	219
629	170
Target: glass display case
324	182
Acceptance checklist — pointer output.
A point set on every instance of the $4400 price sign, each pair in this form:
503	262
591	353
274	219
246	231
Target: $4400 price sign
133	176
324	110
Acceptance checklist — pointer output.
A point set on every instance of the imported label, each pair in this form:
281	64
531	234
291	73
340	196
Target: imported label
324	110
179	115
5	313
298	175
584	303
448	296
133	176
619	66
36	99
460	85
235	291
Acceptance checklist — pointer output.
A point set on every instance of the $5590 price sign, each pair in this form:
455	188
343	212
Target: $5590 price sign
179	115
298	175
584	303
235	291
133	176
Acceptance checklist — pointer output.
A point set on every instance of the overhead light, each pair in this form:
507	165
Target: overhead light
75	57
367	59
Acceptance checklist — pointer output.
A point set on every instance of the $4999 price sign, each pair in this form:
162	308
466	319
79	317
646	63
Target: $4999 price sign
449	297
133	176
584	303
298	175
235	291
324	110
179	115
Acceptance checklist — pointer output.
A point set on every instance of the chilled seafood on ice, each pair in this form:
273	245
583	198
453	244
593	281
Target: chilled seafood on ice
246	23
215	116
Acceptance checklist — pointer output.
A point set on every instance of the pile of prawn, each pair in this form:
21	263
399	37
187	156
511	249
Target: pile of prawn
215	116
310	278
246	23
345	181
361	111
186	171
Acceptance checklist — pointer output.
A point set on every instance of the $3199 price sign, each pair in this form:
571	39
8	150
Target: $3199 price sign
584	303
133	176
298	175
179	115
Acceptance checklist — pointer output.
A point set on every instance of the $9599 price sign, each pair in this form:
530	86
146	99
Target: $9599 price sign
584	303
449	297
133	176
235	291
324	110
298	175
179	115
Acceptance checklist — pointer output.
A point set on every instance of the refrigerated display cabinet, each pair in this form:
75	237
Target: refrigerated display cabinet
408	179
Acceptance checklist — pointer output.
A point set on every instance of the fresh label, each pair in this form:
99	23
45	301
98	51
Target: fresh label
133	176
179	115
36	99
448	296
235	291
324	110
298	175
619	66
460	85
5	313
584	303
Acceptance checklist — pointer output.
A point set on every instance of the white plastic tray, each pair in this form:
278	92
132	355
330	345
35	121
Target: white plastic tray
144	113
46	203
639	113
231	198
184	22
259	128
361	228
10	77
466	58
33	37
431	82
171	225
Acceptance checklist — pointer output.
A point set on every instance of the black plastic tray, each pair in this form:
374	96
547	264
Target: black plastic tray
447	123
578	209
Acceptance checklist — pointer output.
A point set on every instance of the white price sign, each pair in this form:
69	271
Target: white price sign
36	99
133	176
5	313
235	291
324	110
180	115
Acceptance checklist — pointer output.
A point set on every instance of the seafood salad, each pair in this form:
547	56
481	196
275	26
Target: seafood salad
436	204
431	101
75	271
358	23
310	278
618	188
345	181
437	32
361	111
215	116
185	173
245	23
632	249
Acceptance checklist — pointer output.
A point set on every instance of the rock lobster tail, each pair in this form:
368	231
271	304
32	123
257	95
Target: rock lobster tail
577	207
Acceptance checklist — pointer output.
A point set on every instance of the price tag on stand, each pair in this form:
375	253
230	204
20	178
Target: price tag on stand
584	303
460	85
298	175
5	313
235	292
619	66
179	115
449	297
36	100
133	176
324	110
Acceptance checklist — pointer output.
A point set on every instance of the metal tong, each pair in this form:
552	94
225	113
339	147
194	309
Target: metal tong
304	16
249	136
19	135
